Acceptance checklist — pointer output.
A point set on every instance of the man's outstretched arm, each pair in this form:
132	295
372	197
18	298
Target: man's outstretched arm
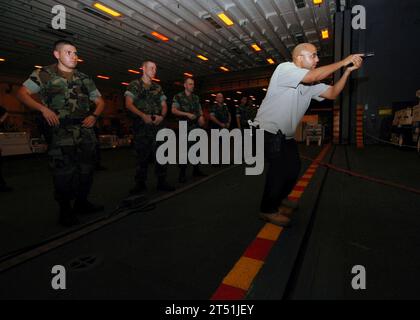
334	91
324	72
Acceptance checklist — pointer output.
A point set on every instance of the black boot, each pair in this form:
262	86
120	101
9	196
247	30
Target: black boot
139	188
164	186
67	216
82	206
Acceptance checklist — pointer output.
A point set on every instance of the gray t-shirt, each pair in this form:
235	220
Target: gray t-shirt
287	100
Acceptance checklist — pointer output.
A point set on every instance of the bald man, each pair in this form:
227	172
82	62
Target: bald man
291	89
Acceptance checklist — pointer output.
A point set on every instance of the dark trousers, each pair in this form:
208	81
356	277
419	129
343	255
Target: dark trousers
283	170
183	167
72	161
146	146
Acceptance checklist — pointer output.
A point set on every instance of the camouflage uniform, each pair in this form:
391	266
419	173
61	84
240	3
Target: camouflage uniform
246	112
71	146
148	99
188	104
221	113
192	105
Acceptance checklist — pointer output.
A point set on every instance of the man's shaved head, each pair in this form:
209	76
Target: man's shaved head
305	56
300	48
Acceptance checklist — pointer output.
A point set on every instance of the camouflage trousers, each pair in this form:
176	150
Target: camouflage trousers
145	145
72	160
183	167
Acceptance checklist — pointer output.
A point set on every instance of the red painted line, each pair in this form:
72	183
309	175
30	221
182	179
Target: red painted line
259	249
225	292
305	179
299	189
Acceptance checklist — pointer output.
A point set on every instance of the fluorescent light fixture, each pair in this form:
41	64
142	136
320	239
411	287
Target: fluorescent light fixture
106	9
325	34
2	60
316	2
239	92
125	83
224	69
202	57
160	36
38	67
265	89
155	79
256	47
80	60
134	71
187	74
270	61
225	19
103	77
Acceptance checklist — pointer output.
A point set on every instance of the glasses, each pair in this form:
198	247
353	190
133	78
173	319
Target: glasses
312	55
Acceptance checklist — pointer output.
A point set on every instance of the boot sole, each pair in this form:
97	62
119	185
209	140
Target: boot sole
280	224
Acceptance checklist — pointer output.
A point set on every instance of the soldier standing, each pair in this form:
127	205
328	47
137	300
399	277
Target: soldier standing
147	103
244	113
219	114
186	106
65	93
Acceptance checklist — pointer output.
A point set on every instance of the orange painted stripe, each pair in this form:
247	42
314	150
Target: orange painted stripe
302	183
296	194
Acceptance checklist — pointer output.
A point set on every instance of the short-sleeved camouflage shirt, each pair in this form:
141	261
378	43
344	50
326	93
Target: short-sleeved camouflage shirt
220	112
67	97
147	99
189	104
246	112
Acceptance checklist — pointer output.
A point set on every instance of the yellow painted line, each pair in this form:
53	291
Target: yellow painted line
302	184
270	232
296	194
243	273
